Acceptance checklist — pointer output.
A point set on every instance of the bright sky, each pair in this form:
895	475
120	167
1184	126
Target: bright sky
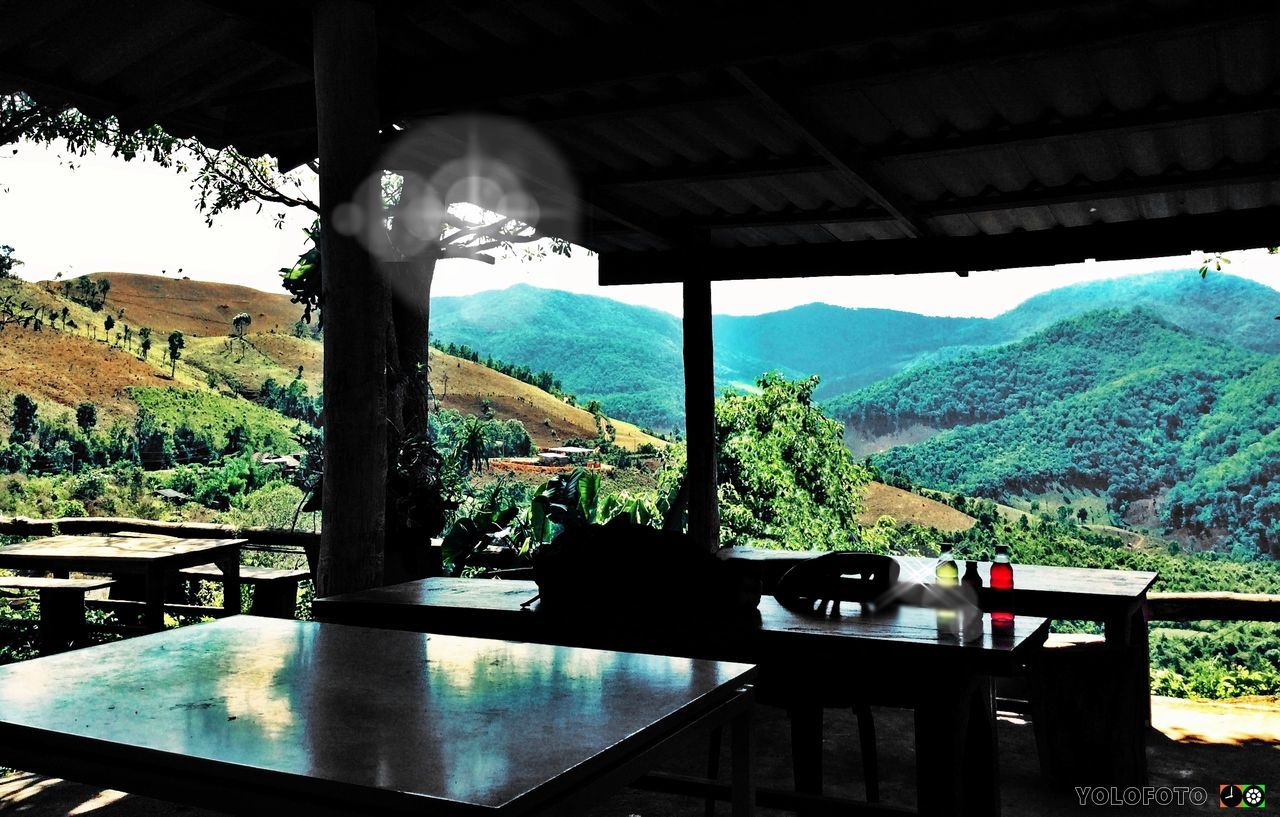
110	215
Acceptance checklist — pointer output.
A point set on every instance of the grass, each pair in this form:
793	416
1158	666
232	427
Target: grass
215	414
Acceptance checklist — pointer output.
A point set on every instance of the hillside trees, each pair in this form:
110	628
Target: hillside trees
176	344
144	342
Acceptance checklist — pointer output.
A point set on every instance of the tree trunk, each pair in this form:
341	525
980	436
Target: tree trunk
408	553
355	303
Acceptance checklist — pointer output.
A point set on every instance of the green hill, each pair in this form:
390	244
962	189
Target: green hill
627	357
1118	403
1065	359
1226	307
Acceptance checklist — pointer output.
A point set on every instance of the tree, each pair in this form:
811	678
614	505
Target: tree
144	341
23	419
785	476
238	324
176	343
7	261
86	416
109	323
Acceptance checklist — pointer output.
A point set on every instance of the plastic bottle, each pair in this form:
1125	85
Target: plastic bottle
1002	582
971	577
947	576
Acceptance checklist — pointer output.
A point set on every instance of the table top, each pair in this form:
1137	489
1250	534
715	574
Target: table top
122	548
369	717
1089	583
493	607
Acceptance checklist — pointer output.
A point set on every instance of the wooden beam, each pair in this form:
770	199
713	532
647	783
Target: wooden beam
356	303
1213	607
1104	242
700	416
830	145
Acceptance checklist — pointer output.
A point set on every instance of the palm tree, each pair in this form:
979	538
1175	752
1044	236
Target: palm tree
472	444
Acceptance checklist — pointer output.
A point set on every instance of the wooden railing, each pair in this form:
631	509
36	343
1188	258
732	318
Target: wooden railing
1212	606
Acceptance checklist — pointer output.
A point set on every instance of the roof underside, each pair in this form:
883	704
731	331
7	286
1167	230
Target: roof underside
745	140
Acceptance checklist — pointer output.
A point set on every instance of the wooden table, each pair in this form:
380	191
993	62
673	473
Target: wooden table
258	716
947	683
1116	598
153	557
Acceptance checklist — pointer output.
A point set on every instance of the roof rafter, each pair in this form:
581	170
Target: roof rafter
959	56
850	166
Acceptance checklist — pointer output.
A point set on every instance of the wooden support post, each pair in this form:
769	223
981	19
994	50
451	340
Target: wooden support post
700	414
355	302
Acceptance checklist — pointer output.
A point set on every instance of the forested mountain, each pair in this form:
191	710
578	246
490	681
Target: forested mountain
1069	357
1220	306
1117	402
630	357
850	348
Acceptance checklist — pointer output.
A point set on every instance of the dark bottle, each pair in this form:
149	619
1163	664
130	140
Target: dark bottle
971	577
1002	583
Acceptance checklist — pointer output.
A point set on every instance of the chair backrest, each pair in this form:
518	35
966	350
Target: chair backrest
837	576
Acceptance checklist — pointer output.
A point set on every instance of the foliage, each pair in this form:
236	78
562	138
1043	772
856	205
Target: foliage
785	477
22	420
291	400
7	261
219	417
461	433
176	344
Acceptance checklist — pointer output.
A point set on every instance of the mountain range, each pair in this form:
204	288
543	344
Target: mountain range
629	357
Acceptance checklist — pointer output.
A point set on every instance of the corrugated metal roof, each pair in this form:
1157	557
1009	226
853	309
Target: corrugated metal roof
727	125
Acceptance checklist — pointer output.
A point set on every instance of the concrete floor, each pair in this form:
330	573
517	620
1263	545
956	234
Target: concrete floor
1191	744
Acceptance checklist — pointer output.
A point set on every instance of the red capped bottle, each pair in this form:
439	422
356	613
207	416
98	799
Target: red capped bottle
1002	585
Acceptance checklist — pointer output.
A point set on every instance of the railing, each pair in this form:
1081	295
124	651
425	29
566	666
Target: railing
1212	607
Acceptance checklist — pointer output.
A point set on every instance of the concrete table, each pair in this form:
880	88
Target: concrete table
257	715
153	557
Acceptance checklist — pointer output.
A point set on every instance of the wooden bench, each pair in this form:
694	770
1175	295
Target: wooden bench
275	589
61	607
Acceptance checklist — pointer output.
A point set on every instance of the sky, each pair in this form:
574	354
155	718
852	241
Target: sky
107	215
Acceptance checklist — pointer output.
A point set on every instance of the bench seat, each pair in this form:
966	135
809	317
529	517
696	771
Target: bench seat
62	622
275	589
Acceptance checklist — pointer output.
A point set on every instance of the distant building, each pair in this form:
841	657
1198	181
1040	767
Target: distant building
552	458
573	453
286	461
171	495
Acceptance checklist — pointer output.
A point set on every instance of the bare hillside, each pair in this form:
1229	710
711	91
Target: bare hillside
195	307
462	385
63	369
904	506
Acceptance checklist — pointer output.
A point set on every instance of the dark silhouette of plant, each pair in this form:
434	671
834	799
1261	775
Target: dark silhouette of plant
86	416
